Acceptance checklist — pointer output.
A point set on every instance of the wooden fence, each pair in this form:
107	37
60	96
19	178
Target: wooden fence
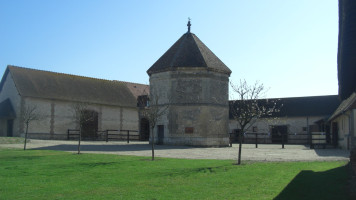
109	135
314	139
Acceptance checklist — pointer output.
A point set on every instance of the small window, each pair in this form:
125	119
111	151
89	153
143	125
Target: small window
189	130
254	129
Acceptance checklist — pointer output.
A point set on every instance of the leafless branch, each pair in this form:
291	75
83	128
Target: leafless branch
249	107
29	114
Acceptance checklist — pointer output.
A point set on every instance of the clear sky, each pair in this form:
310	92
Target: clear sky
288	45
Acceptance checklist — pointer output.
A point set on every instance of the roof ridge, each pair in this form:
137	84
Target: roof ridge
300	97
132	82
61	73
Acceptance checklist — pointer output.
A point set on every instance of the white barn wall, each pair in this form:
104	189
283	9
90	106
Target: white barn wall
343	129
111	118
43	108
61	114
130	119
294	124
63	118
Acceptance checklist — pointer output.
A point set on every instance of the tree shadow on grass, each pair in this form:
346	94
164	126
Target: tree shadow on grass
109	147
332	152
331	184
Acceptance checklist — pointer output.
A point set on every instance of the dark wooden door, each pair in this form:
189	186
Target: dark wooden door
279	133
144	129
160	134
335	133
90	125
10	125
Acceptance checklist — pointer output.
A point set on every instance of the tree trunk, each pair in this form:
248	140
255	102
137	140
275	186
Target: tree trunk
240	145
80	137
153	144
24	147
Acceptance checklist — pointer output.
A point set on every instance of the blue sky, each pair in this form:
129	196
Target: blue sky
289	46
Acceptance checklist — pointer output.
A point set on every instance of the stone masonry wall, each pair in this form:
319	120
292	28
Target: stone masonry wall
58	118
198	111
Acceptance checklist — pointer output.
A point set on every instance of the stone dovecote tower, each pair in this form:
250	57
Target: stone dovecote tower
194	83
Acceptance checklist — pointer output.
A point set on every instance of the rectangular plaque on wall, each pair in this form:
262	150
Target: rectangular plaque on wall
189	130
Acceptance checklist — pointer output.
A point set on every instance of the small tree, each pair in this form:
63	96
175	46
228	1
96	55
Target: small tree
248	107
81	116
29	114
152	111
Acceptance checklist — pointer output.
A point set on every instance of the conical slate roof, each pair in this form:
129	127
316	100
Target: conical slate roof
189	51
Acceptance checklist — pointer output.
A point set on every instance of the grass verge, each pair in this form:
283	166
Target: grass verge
38	174
12	140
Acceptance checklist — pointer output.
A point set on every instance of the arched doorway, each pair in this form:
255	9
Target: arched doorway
89	125
144	129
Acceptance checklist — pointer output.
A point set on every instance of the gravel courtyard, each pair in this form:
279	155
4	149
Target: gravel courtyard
269	152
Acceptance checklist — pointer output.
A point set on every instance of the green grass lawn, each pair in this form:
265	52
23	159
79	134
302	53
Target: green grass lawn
38	174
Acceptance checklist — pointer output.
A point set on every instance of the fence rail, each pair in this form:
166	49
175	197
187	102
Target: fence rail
72	132
313	139
117	135
108	135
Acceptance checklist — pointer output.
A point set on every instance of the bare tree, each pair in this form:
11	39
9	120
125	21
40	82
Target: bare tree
248	107
152	111
30	114
81	115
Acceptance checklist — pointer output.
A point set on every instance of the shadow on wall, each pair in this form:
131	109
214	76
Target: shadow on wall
331	184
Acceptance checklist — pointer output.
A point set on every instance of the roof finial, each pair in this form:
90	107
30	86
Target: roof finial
189	24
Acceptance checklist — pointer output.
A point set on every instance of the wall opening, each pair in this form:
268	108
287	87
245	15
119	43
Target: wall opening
279	133
10	126
144	129
90	125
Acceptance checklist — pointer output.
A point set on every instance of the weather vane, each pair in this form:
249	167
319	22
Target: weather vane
189	24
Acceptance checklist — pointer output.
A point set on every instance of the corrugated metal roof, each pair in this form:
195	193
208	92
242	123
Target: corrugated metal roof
188	51
51	85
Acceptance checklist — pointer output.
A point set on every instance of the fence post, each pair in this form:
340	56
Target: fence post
231	139
256	140
282	141
107	135
68	134
310	138
128	136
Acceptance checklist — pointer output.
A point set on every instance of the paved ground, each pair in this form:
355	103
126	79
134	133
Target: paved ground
265	152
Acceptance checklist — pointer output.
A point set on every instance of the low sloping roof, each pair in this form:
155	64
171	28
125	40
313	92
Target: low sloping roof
305	106
309	106
6	110
51	85
138	89
188	51
349	103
